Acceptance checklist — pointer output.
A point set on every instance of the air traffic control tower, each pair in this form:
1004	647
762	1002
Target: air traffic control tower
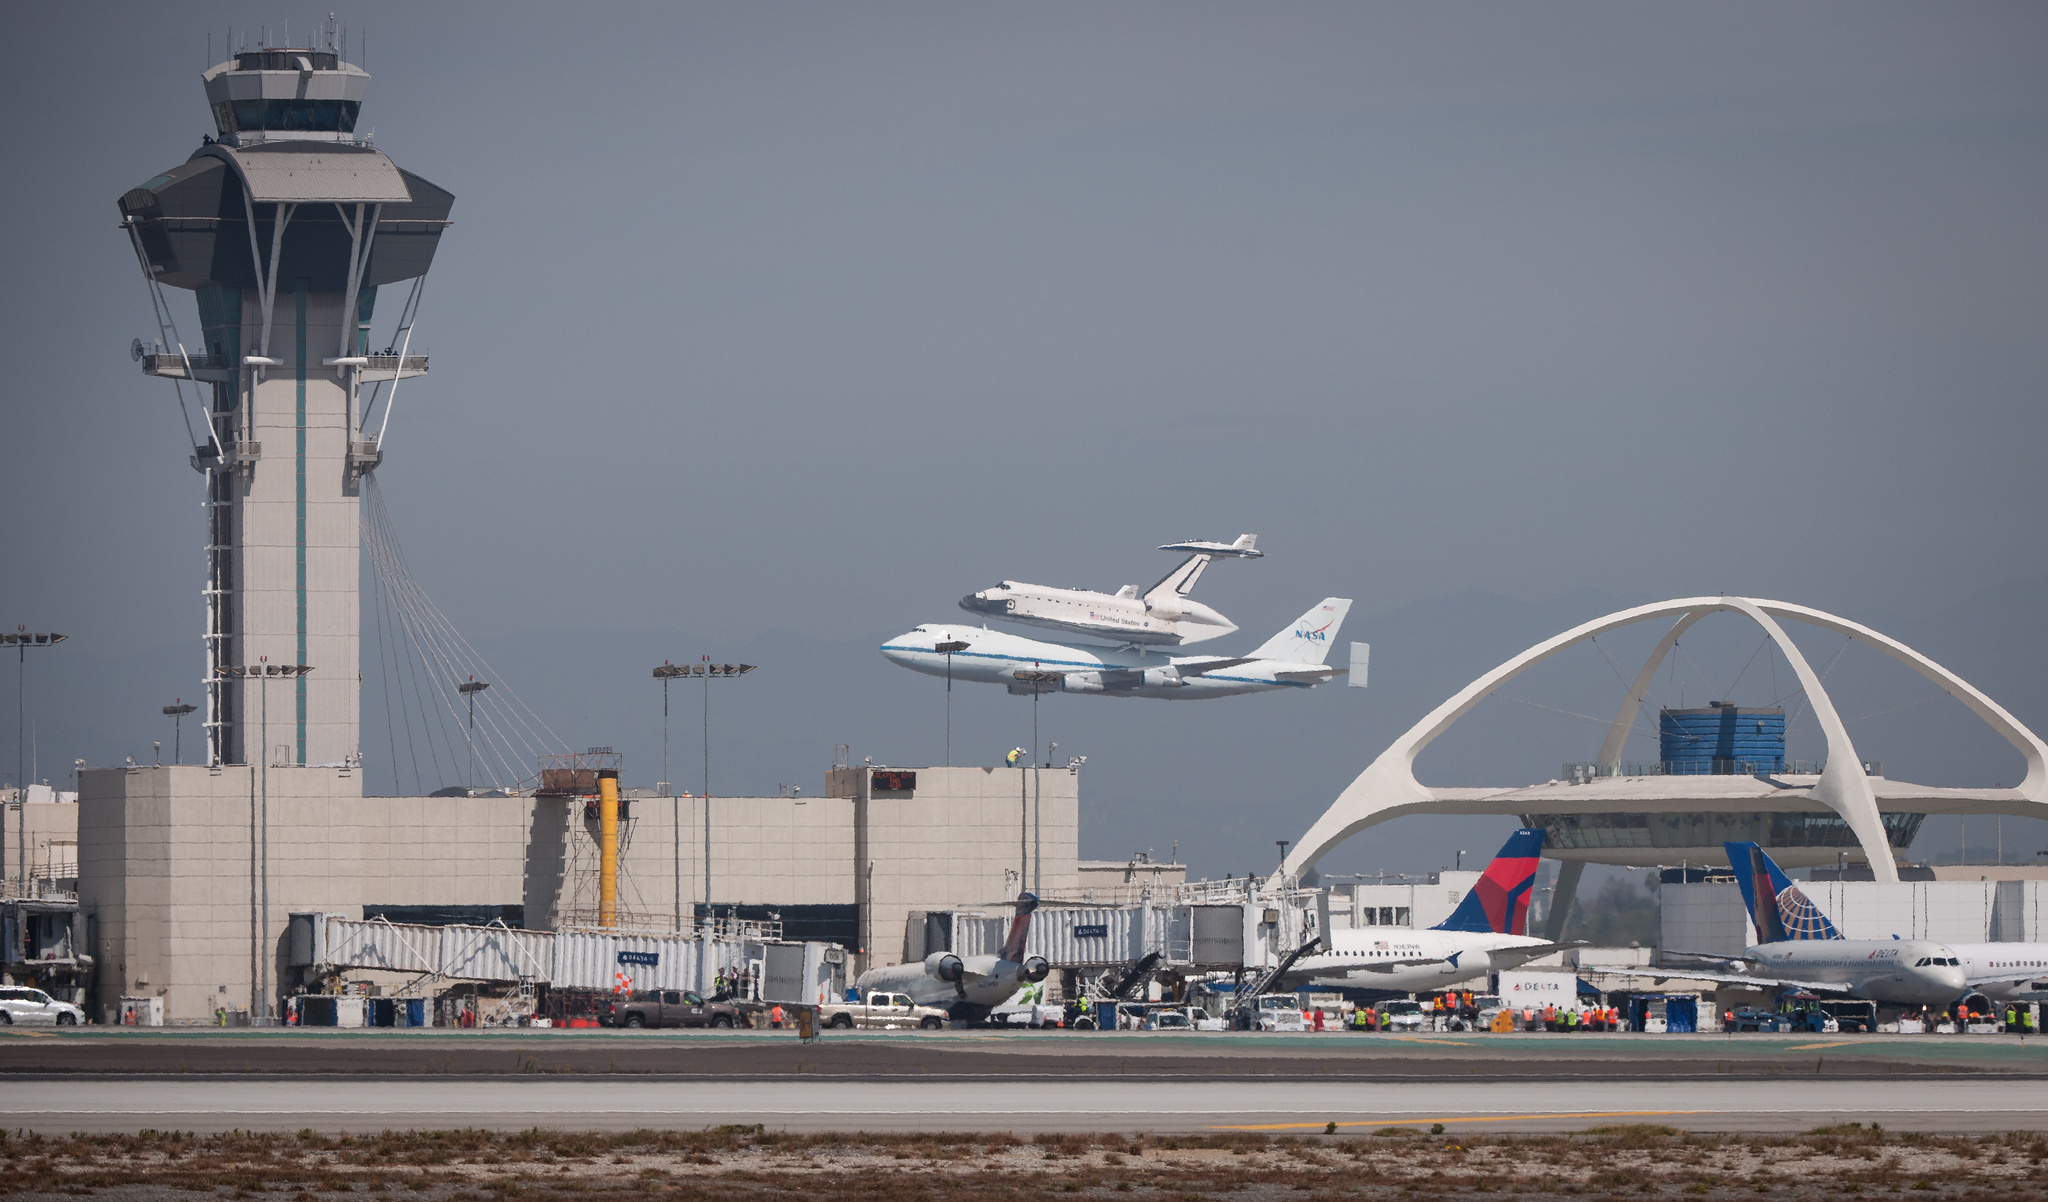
285	224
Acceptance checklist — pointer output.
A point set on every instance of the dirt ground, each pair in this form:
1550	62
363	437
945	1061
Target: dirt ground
744	1163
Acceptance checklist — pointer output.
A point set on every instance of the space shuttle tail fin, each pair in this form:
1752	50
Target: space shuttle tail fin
1180	581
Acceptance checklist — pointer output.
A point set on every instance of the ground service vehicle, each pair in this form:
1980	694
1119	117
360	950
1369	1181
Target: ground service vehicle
34	1008
882	1012
1804	1012
1749	1018
1281	1012
674	1008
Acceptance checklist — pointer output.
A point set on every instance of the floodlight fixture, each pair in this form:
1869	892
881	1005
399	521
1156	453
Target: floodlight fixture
176	713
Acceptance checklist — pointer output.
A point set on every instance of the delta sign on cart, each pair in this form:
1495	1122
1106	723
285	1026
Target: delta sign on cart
1525	990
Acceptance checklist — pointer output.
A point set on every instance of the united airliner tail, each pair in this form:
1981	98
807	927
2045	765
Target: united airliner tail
1777	907
1013	947
1500	901
1308	641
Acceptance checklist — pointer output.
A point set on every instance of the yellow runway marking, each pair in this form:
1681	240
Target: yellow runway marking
1808	1047
1484	1118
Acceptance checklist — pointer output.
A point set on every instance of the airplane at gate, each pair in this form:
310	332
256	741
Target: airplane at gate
1162	615
1798	948
1291	659
966	987
1488	932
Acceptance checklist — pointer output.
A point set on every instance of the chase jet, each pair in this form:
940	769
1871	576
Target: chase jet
1291	659
1162	615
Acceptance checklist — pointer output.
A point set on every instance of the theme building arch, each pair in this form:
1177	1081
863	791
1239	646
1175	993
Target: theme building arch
1388	788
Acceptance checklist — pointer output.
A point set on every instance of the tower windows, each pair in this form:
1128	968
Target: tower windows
329	116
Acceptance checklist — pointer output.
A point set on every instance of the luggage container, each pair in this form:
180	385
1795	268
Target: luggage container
1663	1013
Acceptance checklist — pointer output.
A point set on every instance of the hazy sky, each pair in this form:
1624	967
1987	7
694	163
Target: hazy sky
810	318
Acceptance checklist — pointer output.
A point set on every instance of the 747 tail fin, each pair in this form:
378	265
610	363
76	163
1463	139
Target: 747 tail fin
1500	901
1308	640
1777	907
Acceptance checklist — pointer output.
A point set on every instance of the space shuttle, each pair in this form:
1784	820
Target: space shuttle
1162	615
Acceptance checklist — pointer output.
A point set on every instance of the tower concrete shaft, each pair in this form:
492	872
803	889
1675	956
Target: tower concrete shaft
284	224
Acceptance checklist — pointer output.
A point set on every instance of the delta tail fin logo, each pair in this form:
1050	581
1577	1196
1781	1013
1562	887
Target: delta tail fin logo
1780	911
1500	901
1013	947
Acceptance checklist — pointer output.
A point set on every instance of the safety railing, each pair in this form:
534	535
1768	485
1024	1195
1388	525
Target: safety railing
1580	772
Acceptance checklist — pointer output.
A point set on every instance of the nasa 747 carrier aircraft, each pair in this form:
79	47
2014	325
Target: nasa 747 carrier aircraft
1798	948
1292	659
967	987
1486	933
1160	616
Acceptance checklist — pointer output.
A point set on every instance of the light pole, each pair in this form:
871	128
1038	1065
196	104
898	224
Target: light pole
665	672
470	689
705	671
949	647
22	641
265	672
176	713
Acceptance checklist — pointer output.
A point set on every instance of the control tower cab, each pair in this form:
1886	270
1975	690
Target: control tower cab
284	224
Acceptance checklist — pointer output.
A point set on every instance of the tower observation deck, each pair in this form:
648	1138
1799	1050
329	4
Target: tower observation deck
284	224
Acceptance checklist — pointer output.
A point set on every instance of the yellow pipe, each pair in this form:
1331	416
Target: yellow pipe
607	848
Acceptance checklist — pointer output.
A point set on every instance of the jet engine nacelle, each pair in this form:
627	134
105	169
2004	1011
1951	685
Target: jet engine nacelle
945	966
1034	969
1117	680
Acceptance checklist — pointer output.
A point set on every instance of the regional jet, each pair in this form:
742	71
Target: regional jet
1488	932
1798	948
967	987
1162	615
1291	659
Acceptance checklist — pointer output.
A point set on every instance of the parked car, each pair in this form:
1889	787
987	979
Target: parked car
674	1008
34	1008
882	1012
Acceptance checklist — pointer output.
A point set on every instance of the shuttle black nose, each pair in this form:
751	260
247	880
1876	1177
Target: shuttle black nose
979	603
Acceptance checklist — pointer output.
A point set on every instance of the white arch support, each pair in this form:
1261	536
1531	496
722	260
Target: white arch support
1388	788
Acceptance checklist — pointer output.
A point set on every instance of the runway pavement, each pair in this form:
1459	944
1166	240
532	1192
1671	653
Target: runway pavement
100	1103
439	1051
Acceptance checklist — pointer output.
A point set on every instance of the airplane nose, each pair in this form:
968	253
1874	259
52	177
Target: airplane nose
979	603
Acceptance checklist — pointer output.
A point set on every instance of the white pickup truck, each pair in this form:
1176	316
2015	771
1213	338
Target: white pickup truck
882	1012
